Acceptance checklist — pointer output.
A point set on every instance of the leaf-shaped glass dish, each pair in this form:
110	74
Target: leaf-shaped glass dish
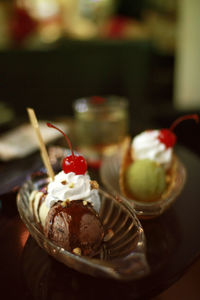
110	176
122	255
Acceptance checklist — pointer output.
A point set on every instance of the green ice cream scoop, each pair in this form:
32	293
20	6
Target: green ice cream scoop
145	180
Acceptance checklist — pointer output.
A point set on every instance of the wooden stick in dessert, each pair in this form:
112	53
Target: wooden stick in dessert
43	149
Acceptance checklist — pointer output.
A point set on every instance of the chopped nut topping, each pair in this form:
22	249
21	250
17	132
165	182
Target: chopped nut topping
85	202
77	251
94	184
64	203
109	235
71	185
64	182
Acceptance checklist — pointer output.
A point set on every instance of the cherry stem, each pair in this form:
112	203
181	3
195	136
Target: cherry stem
180	119
66	137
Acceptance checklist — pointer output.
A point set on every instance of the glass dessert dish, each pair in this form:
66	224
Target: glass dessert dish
110	176
122	253
147	172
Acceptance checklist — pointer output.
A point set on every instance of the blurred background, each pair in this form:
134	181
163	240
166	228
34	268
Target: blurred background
55	51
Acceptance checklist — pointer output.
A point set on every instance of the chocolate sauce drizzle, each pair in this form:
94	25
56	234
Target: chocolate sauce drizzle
74	211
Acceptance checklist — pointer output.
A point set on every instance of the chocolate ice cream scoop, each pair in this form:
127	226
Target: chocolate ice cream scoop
75	227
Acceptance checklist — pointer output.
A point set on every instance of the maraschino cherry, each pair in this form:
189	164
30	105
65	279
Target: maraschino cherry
167	136
72	163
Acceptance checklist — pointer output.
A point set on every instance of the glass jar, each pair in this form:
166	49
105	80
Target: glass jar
101	125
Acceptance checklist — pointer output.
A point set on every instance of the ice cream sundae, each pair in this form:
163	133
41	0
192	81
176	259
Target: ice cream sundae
149	164
67	207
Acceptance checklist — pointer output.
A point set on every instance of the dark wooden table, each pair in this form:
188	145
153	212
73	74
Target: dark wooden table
27	272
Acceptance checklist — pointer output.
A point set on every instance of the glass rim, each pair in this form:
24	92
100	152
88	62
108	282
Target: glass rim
98	103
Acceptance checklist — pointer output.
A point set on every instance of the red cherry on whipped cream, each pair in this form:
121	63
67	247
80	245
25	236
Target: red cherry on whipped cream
72	163
76	164
167	137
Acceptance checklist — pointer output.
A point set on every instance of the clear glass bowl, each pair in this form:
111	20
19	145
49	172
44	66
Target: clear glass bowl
122	255
109	173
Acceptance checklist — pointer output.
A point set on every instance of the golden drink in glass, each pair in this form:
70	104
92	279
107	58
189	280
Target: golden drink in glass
101	125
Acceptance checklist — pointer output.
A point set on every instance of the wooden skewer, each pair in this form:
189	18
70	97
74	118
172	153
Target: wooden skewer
43	149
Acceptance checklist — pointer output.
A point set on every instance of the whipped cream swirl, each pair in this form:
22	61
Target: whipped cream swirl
69	186
147	145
